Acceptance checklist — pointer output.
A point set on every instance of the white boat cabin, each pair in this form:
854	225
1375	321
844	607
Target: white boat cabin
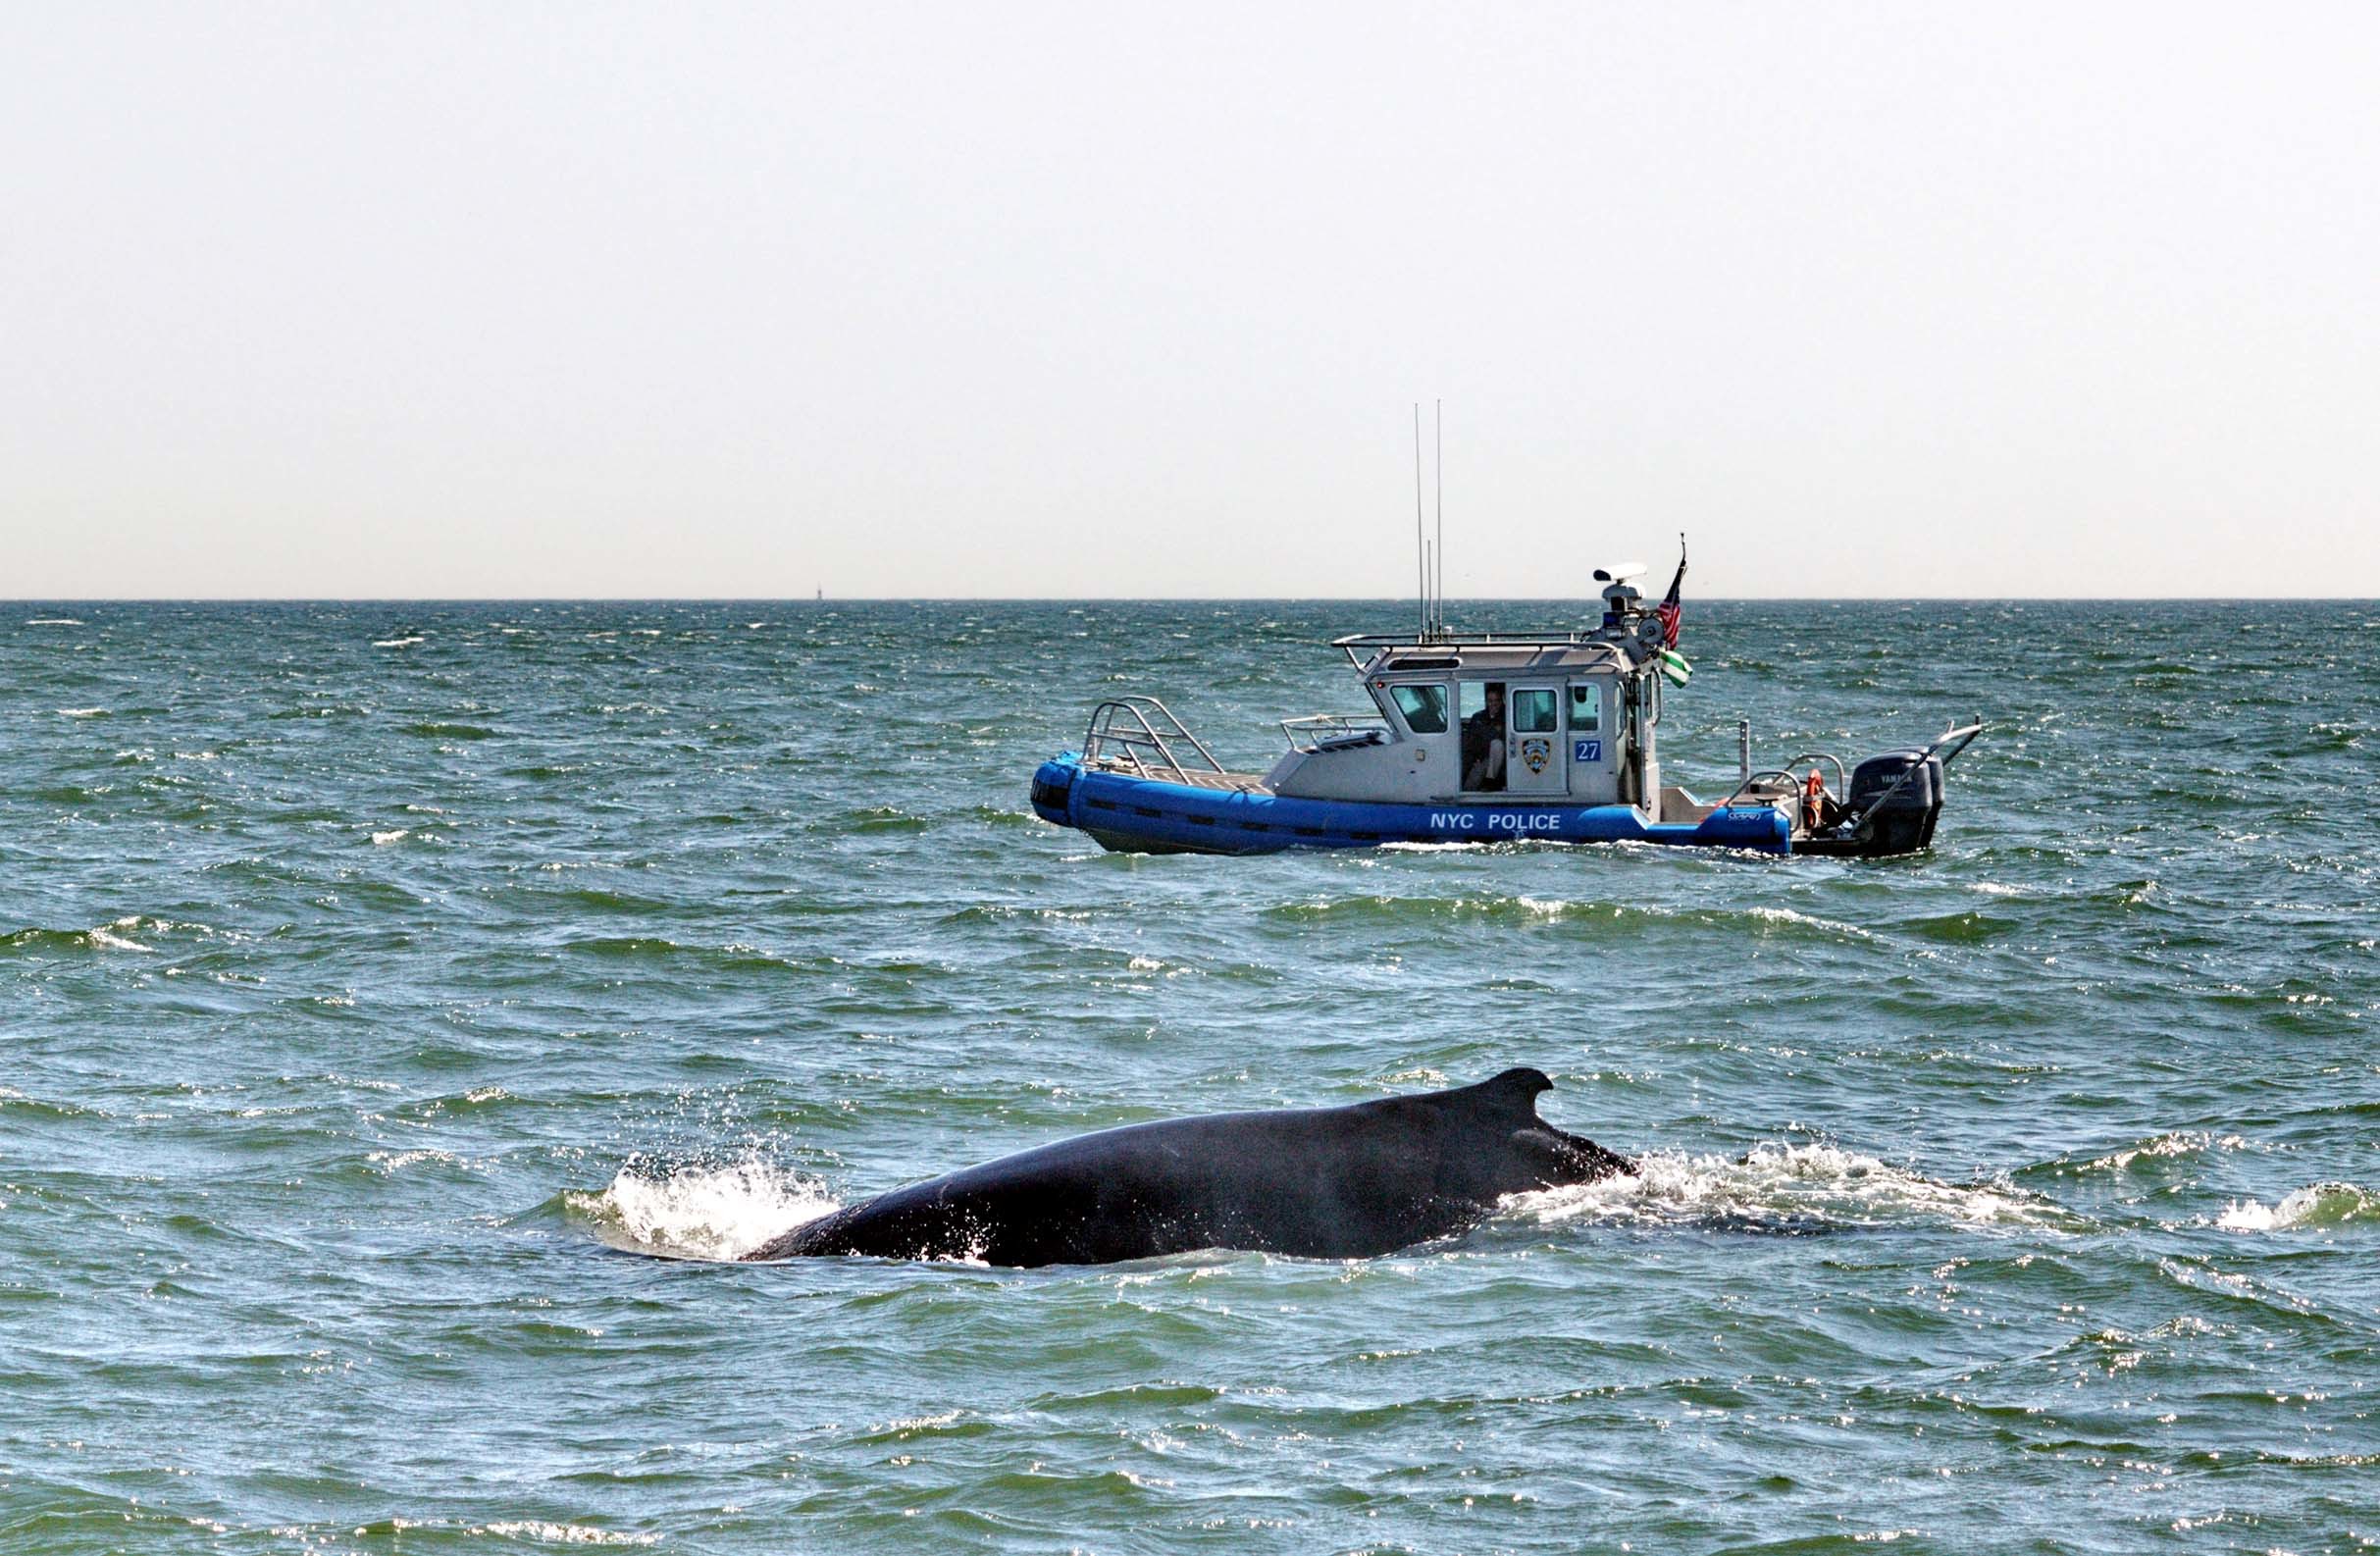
1482	718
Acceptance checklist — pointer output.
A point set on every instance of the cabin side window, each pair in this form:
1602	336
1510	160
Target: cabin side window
1423	708
1534	710
1586	708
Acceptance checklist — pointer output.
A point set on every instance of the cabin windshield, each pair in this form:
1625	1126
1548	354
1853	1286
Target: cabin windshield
1423	708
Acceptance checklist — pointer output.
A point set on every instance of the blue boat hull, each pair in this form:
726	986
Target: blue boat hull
1149	816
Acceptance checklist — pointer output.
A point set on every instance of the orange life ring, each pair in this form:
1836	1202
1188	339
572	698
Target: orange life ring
1813	799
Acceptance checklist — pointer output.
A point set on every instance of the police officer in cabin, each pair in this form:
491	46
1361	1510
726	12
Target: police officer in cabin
1483	742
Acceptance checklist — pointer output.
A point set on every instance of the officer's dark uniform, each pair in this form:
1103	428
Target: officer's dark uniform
1482	764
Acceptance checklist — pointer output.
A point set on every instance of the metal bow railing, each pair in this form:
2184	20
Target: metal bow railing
1141	734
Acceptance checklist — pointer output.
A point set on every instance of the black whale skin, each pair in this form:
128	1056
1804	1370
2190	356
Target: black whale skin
1317	1182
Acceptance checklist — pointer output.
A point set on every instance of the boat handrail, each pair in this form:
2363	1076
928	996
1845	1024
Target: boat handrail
1451	639
1456	643
1142	732
1323	729
1842	783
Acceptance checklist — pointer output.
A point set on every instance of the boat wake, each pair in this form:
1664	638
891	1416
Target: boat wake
701	1212
1787	1189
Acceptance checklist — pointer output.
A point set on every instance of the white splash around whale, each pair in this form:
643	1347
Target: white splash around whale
1812	1185
711	1212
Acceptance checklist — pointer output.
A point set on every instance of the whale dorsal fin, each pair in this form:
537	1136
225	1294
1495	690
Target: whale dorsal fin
1513	1094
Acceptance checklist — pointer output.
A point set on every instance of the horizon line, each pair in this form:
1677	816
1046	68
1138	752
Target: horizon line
1134	600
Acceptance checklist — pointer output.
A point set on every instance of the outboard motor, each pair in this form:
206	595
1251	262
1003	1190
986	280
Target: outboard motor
1897	797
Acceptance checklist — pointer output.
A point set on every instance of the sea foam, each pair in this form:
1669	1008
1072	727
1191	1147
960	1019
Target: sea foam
2315	1205
710	1212
1787	1187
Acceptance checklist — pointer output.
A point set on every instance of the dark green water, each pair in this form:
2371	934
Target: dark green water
371	976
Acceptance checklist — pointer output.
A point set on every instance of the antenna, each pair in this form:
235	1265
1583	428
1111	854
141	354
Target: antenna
1441	464
1421	546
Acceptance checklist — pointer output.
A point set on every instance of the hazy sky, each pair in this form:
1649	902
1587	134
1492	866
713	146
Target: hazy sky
507	299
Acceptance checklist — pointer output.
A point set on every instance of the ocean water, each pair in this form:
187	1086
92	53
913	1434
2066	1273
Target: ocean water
380	984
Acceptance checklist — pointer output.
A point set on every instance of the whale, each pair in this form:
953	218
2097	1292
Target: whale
1344	1182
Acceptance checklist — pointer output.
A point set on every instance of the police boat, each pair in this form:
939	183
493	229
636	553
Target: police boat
1480	737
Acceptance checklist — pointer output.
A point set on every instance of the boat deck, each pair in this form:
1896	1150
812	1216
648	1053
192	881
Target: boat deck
1188	777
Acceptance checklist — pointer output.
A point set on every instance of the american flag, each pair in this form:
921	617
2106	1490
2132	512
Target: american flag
1670	611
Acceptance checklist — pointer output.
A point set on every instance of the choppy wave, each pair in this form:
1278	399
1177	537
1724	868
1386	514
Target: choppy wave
1756	919
886	818
2163	1154
431	1534
1959	929
116	934
447	729
735	956
2317	1205
390	1162
550	1532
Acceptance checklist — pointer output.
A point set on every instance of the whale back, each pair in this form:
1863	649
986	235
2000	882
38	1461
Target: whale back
1325	1182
